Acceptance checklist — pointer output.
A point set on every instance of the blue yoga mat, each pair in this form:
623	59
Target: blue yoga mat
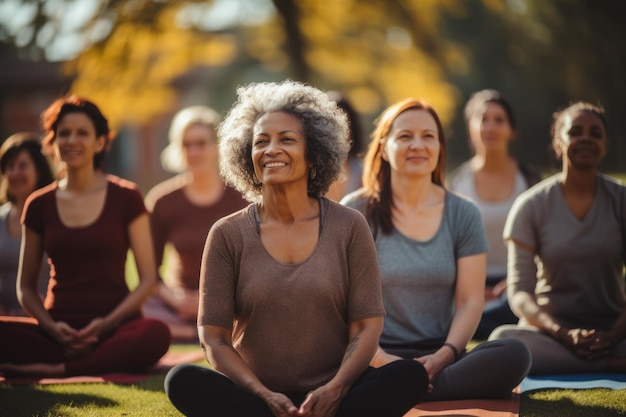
574	381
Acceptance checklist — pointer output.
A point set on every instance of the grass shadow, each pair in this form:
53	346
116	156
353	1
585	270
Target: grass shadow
573	403
31	400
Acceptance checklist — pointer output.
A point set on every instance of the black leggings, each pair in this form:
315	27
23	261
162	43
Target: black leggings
389	391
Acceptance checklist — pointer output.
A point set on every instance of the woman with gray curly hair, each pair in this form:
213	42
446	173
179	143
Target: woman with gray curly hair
290	297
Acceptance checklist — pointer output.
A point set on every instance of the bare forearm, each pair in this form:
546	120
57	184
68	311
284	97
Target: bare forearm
130	306
525	305
359	353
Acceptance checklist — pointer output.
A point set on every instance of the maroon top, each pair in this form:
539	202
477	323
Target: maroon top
87	277
184	225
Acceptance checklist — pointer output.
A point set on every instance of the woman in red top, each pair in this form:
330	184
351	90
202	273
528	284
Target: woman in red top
90	322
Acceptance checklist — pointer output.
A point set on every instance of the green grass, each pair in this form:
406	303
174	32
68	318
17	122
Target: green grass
599	402
143	399
147	399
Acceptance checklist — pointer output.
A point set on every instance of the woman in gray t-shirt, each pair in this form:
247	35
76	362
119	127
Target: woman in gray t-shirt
567	255
432	255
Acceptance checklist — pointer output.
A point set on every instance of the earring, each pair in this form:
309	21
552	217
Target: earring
255	179
313	172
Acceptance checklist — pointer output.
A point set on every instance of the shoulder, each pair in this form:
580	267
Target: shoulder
613	184
615	190
122	184
235	221
459	173
342	212
43	194
540	191
460	203
164	189
357	200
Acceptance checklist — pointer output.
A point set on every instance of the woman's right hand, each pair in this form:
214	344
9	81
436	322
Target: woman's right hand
580	341
280	404
70	339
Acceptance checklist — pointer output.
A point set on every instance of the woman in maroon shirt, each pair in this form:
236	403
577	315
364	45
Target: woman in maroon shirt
90	322
182	210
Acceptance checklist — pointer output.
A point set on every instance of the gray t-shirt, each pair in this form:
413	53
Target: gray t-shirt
9	260
290	321
419	277
580	263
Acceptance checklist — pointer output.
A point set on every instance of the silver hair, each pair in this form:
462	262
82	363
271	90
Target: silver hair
325	129
172	158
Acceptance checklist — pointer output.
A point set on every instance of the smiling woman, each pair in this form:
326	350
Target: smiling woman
567	242
290	308
431	250
23	169
90	322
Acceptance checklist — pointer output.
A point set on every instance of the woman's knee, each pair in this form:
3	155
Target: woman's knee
180	378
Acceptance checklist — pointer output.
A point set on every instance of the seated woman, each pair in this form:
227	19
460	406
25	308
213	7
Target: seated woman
492	179
182	210
431	251
90	322
567	240
290	301
23	169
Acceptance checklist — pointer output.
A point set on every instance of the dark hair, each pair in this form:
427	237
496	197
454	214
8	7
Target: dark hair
51	117
377	171
479	98
559	116
11	148
356	131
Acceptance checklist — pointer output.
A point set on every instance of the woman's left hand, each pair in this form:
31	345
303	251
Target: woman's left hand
322	402
435	363
87	338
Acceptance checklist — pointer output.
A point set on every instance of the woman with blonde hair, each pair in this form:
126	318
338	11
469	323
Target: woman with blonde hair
182	210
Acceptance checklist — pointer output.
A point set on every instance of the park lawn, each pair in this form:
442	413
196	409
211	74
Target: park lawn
147	399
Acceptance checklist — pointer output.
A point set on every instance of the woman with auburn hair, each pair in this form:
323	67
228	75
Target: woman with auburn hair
90	322
432	254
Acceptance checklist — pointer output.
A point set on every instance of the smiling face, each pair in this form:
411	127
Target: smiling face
279	150
412	146
21	175
582	140
490	128
76	140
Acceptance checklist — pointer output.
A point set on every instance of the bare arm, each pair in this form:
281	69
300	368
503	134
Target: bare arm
31	252
469	301
217	344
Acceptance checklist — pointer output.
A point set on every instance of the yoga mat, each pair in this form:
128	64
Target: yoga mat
508	407
574	381
168	361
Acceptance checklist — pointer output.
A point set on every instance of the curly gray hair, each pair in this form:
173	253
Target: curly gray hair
325	129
